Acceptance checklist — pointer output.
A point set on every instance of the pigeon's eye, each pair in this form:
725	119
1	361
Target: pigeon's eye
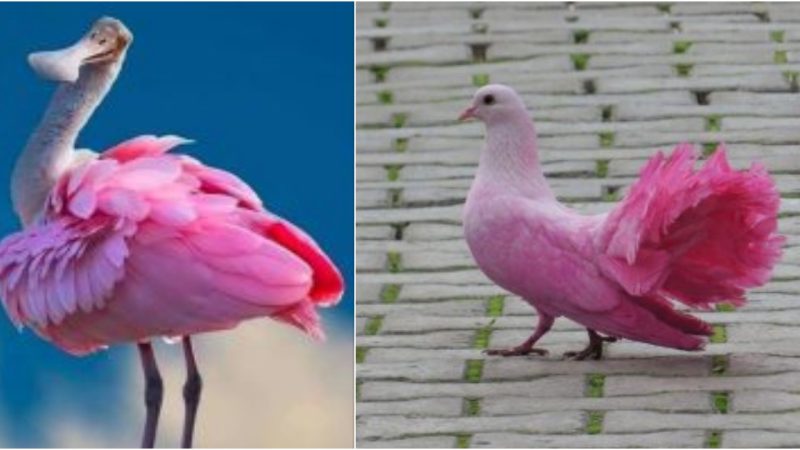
488	100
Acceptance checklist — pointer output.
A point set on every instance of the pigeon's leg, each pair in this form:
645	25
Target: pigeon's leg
153	393
191	393
544	325
594	349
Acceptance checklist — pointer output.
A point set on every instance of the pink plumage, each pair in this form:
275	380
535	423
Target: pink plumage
696	236
140	243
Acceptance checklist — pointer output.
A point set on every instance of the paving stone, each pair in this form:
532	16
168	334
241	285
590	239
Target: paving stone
651	76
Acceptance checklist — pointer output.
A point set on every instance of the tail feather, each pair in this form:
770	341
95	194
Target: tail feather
714	230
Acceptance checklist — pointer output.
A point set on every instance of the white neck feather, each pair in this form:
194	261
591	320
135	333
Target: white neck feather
49	151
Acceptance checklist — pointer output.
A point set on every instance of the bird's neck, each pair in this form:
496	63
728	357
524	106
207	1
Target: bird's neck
50	148
511	160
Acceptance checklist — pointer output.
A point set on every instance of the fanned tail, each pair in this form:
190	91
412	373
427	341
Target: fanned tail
700	237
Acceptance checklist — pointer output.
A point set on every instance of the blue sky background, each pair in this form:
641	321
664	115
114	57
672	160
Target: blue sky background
266	90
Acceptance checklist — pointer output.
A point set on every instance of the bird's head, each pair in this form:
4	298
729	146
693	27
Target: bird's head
104	44
492	103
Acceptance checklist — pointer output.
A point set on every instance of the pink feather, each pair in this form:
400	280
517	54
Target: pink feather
140	243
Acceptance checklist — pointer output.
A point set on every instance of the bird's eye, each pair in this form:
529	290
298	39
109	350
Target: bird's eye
488	100
102	41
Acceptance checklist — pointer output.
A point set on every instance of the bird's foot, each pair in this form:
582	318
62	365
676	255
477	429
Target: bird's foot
594	349
516	351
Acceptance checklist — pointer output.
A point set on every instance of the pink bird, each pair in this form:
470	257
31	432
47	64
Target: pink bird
698	237
136	243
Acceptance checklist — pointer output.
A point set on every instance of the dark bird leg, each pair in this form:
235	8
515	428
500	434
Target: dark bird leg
544	325
153	393
594	349
191	392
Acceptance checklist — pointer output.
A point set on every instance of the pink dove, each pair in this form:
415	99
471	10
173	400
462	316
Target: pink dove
136	243
698	237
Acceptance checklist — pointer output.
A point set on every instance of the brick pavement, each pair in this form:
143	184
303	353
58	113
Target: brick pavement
608	84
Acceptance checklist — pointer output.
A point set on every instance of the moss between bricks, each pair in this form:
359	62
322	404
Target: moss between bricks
385	97
720	335
472	406
709	148
394	262
681	47
594	423
725	307
719	365
393	172
684	70
399	120
495	306
390	293
361	354
713	123
580	60
595	383
580	36
781	57
601	168
481	79
606	139
776	36
720	402
473	370
373	325
400	145
463	440
714	439
482	336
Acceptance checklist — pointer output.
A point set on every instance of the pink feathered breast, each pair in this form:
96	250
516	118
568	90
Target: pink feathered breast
140	243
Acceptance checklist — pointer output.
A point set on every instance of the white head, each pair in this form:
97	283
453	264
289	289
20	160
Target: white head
494	102
105	43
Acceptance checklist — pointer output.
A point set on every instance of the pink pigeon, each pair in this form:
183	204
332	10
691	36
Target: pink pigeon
698	237
137	243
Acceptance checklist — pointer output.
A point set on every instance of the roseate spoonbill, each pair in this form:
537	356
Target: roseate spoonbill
697	237
135	243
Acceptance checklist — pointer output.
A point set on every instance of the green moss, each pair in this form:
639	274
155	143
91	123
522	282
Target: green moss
463	440
473	370
664	7
472	406
725	307
373	325
481	79
393	172
594	423
684	70
709	148
385	97
390	293
606	139
381	23
719	365
394	261
580	60
401	145
791	76
720	402
595	383
681	47
610	194
380	73
482	336
580	36
607	113
713	123
714	439
601	168
495	306
399	120
720	335
361	353
781	57
776	36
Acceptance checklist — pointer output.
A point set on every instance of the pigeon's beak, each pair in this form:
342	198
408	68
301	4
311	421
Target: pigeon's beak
468	113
